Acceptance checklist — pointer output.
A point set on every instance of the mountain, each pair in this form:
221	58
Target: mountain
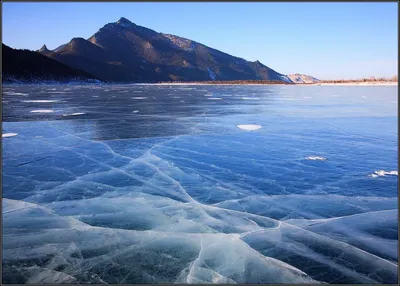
125	52
302	78
25	65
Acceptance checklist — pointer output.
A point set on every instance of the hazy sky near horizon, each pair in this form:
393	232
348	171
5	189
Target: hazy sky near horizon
325	40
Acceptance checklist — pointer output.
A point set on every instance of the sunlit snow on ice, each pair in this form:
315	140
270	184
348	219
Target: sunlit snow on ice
249	127
199	190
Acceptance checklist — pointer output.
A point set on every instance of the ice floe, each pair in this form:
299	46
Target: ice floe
382	173
249	127
42	111
74	114
40	101
5	135
315	158
14	93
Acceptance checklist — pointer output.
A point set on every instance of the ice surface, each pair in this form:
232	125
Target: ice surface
179	193
249	127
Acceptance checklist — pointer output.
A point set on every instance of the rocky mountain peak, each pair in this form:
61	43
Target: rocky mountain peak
124	22
43	49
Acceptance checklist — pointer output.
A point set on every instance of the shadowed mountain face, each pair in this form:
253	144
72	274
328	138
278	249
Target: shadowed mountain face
123	51
25	65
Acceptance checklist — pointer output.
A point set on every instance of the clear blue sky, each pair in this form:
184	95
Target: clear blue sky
325	40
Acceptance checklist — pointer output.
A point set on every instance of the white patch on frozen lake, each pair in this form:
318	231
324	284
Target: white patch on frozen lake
5	135
40	100
139	97
42	111
249	127
214	98
135	111
315	158
14	93
382	173
208	94
250	98
74	114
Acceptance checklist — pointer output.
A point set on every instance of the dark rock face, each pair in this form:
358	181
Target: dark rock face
25	65
124	52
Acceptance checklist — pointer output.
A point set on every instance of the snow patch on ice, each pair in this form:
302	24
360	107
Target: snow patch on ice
383	173
14	93
135	111
42	111
215	98
250	98
315	158
5	135
76	113
139	97
249	127
40	100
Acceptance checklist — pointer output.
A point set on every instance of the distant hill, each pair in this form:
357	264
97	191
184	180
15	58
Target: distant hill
125	52
29	66
302	78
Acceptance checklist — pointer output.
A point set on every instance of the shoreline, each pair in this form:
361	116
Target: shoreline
209	83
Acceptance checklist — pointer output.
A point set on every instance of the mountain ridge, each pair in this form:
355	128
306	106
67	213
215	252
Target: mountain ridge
31	66
124	51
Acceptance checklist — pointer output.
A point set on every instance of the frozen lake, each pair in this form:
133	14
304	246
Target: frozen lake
199	184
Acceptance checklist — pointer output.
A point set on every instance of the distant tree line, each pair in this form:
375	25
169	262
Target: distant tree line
371	79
